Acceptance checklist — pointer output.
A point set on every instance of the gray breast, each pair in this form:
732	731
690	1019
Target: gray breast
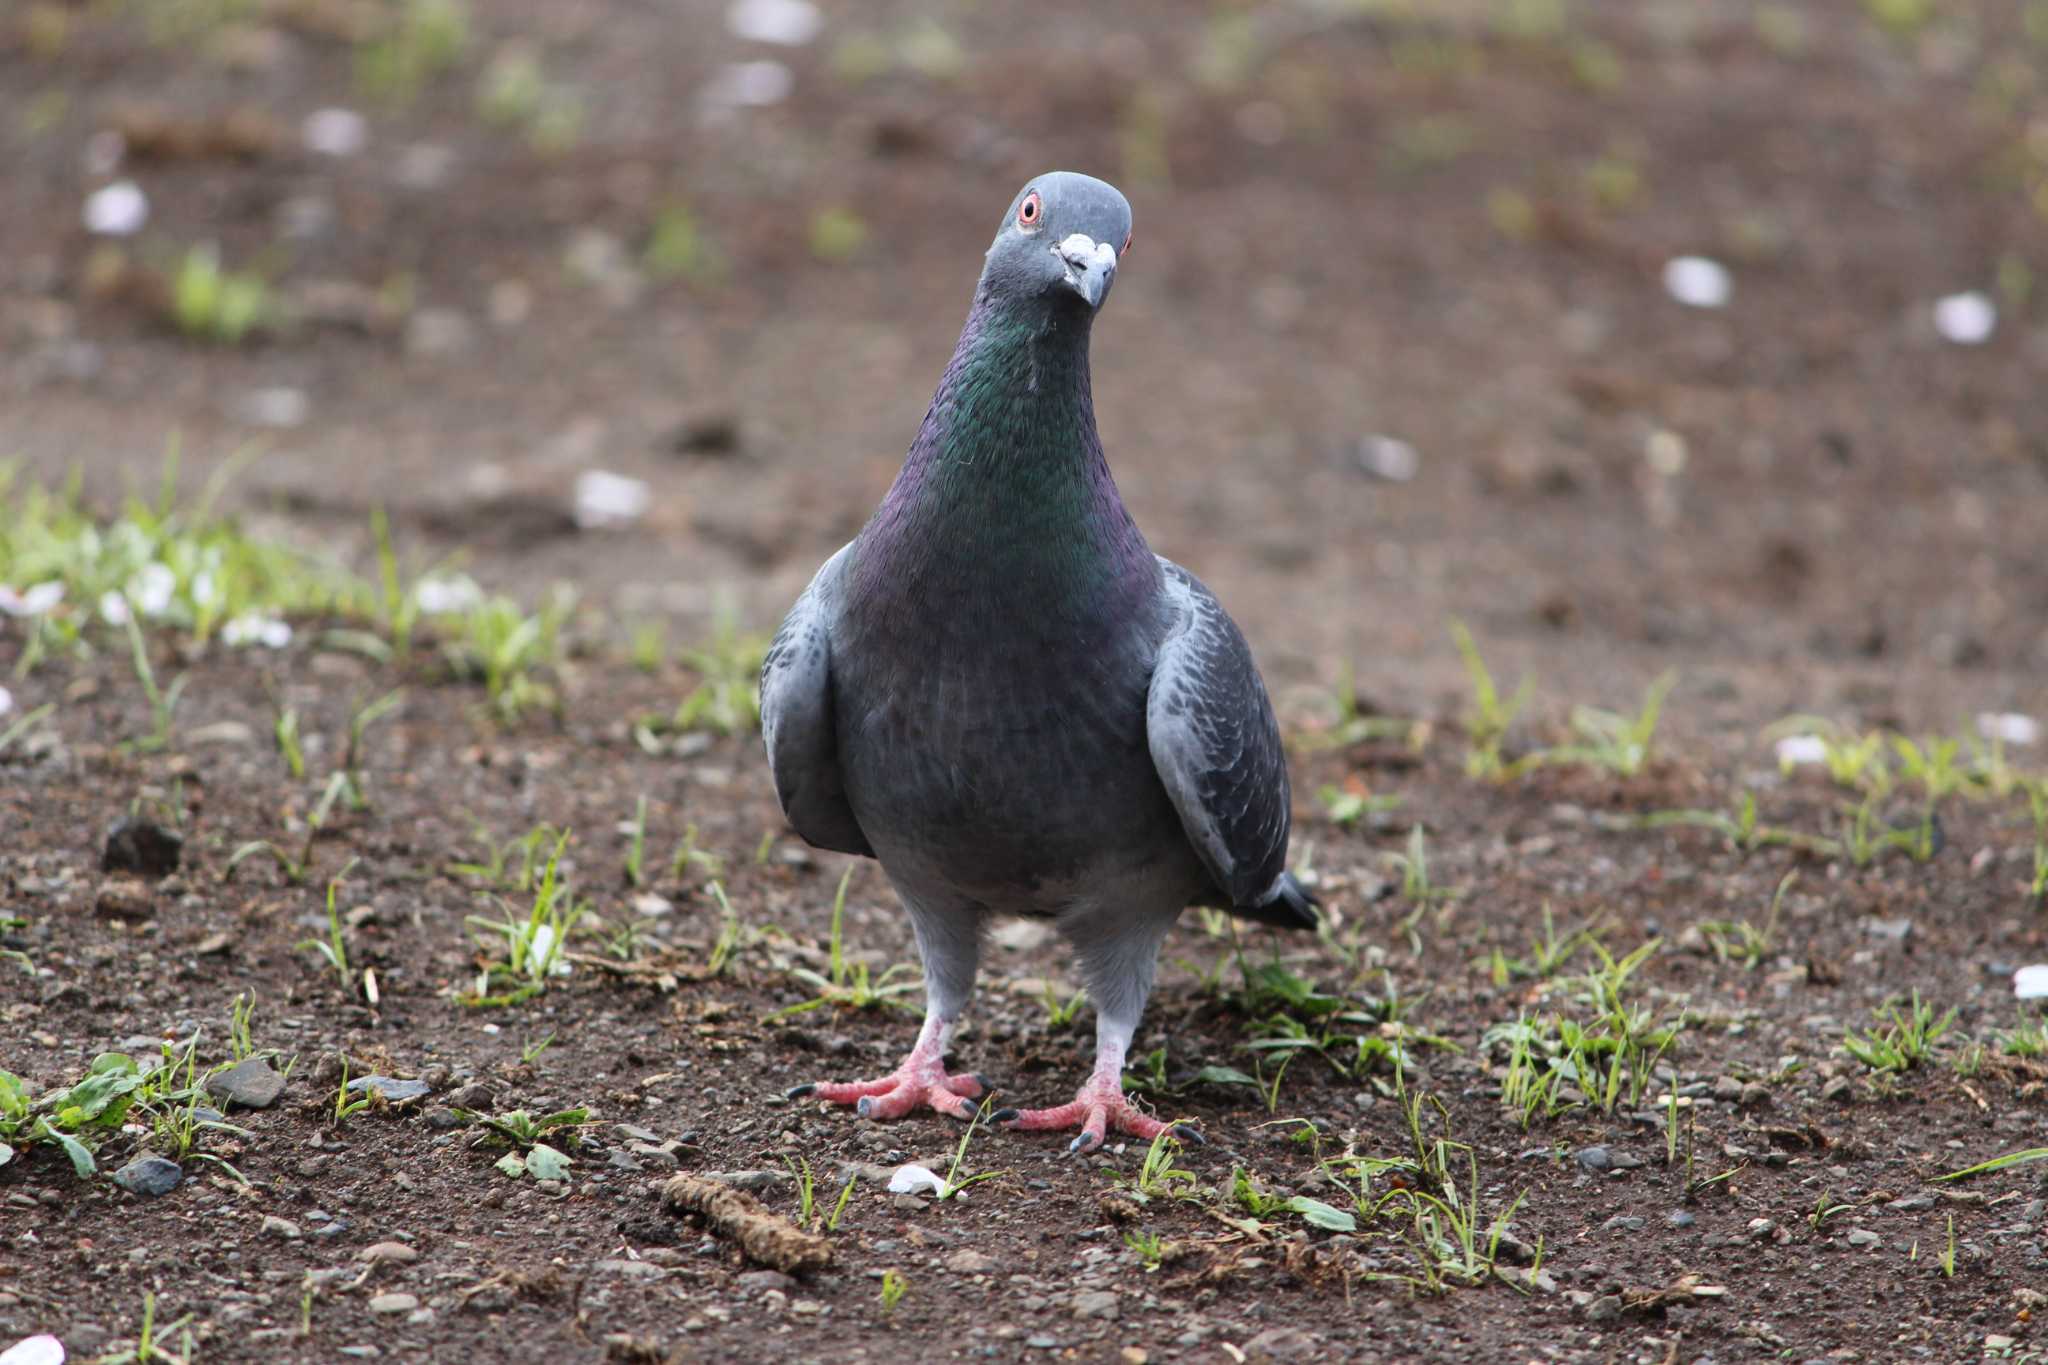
1012	770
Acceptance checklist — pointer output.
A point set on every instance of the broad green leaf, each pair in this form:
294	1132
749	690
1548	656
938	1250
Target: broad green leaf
1221	1075
81	1155
545	1163
1323	1215
512	1164
6	1154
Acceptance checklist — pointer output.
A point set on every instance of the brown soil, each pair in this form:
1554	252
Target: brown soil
1852	529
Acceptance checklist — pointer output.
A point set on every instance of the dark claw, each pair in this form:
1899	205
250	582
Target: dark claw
866	1107
1187	1134
1002	1116
797	1092
988	1087
1084	1143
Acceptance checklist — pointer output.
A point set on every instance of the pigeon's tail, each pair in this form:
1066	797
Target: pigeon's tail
1289	905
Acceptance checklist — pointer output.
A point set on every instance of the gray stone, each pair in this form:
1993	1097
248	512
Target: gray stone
1097	1303
658	1156
1622	1222
388	1253
390	1087
281	1227
1282	1346
476	1097
1681	1218
388	1305
1595	1158
632	1270
1864	1237
761	1281
252	1084
968	1261
149	1176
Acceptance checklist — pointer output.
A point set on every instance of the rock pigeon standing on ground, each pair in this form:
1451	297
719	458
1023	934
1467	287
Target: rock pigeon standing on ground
1002	694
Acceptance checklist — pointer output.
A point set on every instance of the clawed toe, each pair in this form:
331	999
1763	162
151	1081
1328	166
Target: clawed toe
797	1092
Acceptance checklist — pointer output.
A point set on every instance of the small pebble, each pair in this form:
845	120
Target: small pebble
149	1176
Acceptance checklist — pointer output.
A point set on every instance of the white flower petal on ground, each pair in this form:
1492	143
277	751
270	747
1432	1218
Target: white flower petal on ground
1797	750
151	589
607	499
38	1350
253	628
114	608
2031	982
335	132
1967	319
912	1178
6	701
441	595
117	210
543	943
1698	282
31	601
789	22
2009	727
205	592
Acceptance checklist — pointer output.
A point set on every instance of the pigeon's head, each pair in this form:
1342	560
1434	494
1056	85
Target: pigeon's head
1059	243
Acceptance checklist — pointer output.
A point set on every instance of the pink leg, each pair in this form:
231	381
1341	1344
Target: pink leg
920	1080
1099	1107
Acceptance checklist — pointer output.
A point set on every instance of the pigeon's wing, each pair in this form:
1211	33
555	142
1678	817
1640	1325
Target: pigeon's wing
1216	745
796	719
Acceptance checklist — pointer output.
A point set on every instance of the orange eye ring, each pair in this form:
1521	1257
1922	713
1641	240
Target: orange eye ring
1030	211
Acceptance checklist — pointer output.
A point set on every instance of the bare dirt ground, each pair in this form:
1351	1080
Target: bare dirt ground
1445	225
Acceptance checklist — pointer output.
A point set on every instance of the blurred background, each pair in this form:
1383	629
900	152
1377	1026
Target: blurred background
1636	333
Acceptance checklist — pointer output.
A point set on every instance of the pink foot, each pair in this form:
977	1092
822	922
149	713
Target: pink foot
1099	1107
921	1080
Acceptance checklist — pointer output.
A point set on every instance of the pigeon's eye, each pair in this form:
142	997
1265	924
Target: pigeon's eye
1029	212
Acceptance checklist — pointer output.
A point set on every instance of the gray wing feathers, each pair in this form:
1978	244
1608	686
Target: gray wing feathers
1216	744
797	724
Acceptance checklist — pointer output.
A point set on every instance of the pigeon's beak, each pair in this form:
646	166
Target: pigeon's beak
1090	267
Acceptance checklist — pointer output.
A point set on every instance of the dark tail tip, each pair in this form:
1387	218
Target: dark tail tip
1289	905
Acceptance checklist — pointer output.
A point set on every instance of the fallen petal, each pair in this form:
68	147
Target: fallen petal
118	210
2009	727
1966	319
913	1178
1698	282
1796	750
42	1350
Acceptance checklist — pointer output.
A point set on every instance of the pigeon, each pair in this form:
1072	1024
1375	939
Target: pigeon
1000	693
